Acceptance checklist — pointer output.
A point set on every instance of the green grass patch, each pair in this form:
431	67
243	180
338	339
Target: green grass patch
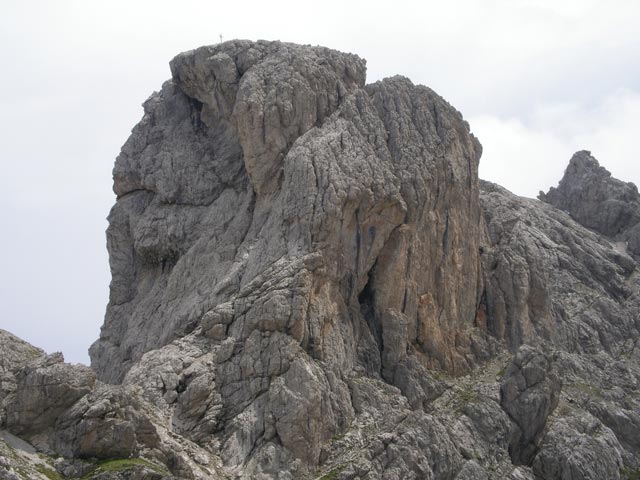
586	389
564	410
48	472
630	473
34	353
333	474
463	397
122	464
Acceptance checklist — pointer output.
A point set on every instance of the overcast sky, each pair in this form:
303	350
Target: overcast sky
536	79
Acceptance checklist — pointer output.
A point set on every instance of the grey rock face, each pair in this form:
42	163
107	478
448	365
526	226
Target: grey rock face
309	231
579	448
107	423
553	283
597	200
310	282
46	388
15	355
549	279
64	412
530	392
286	134
292	222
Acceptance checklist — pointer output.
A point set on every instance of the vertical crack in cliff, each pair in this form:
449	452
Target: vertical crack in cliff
445	237
366	301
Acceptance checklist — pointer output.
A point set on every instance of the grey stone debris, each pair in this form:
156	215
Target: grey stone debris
309	281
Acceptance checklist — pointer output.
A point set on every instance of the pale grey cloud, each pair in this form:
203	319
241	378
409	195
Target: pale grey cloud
529	154
537	79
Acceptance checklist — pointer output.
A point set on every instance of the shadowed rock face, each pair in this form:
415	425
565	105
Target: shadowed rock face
597	200
548	279
309	281
529	393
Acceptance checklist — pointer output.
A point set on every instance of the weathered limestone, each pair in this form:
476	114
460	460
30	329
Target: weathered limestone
597	200
16	354
309	281
320	226
529	393
548	279
45	389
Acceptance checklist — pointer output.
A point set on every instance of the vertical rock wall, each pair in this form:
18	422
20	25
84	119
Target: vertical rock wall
318	227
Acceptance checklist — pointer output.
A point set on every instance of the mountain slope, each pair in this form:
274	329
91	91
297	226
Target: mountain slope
310	281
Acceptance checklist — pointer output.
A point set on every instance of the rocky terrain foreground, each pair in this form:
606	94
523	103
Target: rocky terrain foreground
309	281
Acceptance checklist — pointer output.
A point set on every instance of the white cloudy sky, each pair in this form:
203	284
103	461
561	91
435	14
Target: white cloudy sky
536	79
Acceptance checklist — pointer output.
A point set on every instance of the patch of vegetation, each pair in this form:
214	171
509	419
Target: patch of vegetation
48	472
121	464
333	474
463	397
598	431
625	354
34	353
22	473
630	473
6	449
565	409
587	389
467	396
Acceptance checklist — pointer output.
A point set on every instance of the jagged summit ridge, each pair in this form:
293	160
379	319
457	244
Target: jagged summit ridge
598	201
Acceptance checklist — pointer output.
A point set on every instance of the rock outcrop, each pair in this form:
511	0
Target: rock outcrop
529	394
598	201
16	354
45	388
314	243
66	414
269	162
309	281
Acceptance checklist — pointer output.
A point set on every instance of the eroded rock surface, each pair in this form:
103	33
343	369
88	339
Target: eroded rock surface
46	387
597	200
529	393
310	282
16	354
264	159
81	427
271	199
549	279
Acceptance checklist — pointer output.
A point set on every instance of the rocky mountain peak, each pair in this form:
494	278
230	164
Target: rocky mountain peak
582	162
309	281
271	157
596	199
